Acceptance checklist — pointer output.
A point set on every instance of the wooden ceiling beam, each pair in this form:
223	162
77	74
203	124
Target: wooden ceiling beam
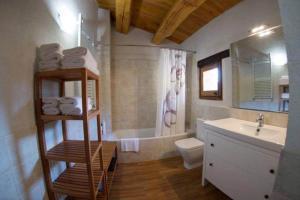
123	14
177	14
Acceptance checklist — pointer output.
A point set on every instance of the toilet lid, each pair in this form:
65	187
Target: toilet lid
189	143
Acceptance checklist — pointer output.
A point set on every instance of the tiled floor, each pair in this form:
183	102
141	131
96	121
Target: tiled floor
161	180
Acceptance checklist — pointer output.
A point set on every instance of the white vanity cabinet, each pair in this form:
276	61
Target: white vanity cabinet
241	170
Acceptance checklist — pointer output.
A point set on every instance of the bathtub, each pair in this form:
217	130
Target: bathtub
151	147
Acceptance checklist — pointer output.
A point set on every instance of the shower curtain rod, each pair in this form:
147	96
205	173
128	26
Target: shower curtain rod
143	45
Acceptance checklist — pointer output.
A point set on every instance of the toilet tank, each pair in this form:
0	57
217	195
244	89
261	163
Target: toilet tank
200	129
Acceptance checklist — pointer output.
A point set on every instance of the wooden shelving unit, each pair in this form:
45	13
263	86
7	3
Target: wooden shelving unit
85	175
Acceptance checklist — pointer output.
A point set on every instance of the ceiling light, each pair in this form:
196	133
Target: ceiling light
258	28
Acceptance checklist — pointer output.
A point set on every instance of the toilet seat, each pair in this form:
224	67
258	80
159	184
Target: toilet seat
189	143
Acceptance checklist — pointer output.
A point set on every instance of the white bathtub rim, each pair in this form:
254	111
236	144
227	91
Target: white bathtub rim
148	138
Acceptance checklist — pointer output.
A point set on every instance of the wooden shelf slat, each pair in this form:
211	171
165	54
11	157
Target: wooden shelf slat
108	149
72	74
74	182
91	114
73	151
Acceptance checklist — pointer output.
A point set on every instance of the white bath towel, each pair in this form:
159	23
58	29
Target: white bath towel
72	105
285	95
46	106
87	61
53	56
130	144
46	50
70	62
75	52
51	111
72	100
49	64
53	101
69	109
284	80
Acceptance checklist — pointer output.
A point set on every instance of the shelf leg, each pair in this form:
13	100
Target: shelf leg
63	122
86	134
41	137
45	162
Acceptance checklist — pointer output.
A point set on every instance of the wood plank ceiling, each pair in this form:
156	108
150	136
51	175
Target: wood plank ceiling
175	20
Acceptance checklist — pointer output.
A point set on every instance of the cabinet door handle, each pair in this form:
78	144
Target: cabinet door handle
266	196
212	144
211	164
272	171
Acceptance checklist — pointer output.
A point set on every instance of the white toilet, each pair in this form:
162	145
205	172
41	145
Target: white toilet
191	149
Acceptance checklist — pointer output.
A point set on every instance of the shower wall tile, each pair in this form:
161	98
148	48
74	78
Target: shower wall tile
134	80
271	118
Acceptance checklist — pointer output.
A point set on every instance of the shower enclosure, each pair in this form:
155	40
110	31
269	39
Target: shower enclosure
148	87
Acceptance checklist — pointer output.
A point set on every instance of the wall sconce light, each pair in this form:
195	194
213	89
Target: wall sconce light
258	29
265	33
67	21
279	59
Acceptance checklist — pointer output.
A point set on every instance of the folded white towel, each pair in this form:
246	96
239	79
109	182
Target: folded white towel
75	52
79	62
70	100
51	111
285	95
46	50
75	61
284	80
46	106
72	105
53	101
70	109
52	56
130	144
49	64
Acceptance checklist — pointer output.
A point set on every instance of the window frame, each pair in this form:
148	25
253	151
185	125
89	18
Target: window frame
212	94
208	64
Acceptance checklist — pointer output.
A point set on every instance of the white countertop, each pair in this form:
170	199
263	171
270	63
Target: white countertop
269	137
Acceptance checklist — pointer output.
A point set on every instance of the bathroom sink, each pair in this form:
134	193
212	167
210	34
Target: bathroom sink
270	137
258	131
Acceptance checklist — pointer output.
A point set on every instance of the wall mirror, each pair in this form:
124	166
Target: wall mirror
260	72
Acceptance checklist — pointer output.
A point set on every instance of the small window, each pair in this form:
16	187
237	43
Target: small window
210	76
211	81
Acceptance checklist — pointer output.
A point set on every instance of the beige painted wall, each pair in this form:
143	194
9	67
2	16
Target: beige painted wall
25	26
217	36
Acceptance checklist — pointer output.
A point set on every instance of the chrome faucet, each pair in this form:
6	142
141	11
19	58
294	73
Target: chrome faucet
260	120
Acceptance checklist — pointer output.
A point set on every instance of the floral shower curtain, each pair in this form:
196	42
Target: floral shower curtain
170	118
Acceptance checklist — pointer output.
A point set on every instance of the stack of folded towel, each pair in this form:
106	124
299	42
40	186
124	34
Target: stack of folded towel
79	57
50	105
72	105
49	56
63	105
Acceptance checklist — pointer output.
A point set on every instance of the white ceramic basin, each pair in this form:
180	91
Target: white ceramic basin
270	137
259	131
